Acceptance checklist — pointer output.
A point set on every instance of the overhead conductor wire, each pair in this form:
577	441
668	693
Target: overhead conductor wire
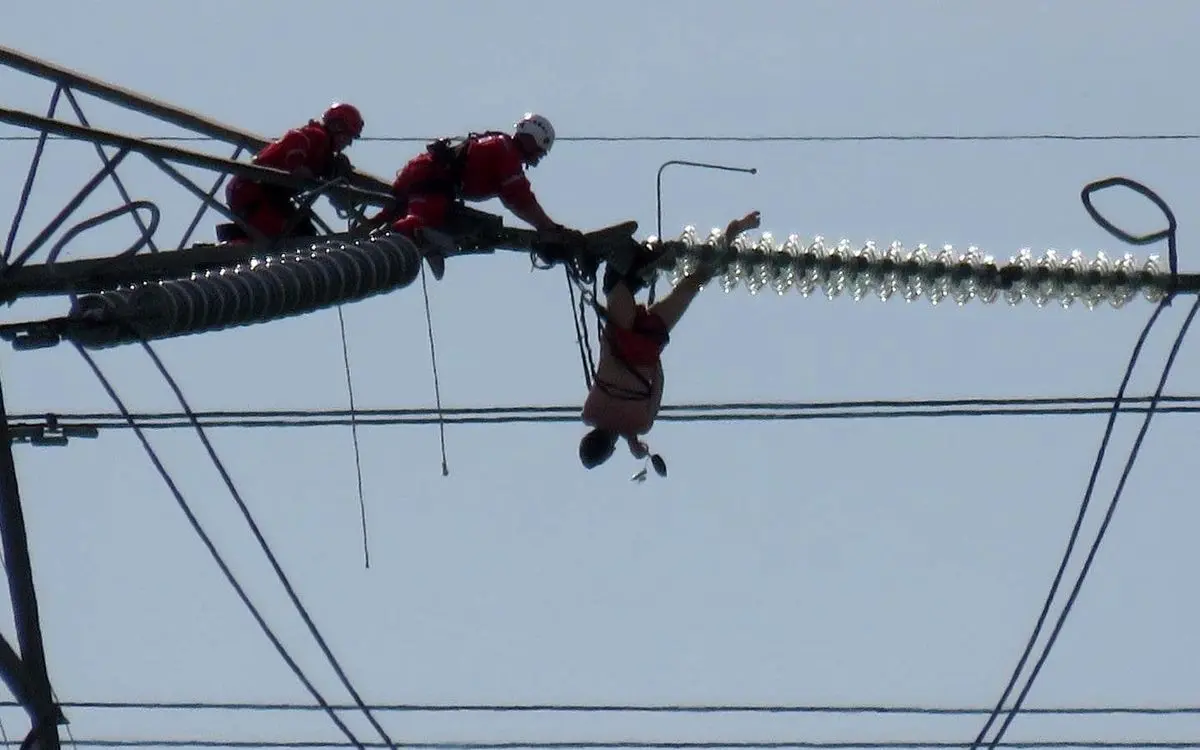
208	543
219	465
300	608
1169	234
724	412
730	138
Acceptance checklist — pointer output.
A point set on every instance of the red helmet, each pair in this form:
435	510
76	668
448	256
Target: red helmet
344	118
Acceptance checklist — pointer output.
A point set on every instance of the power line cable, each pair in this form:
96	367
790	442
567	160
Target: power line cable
257	532
1150	410
739	411
666	708
1169	234
729	138
106	384
362	501
1074	535
642	745
1102	530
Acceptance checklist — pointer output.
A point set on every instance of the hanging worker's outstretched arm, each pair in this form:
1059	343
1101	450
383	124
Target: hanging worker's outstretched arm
672	307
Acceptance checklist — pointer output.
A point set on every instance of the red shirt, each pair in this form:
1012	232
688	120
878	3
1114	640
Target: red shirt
494	168
306	146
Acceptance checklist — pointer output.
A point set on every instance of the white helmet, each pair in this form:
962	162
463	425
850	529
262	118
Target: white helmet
539	128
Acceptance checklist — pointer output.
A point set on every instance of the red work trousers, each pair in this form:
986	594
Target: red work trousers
424	187
266	212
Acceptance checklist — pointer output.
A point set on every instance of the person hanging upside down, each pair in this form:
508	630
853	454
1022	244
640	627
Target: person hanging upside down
627	387
312	150
475	168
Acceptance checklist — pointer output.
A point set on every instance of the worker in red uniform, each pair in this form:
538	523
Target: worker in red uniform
476	168
311	151
627	389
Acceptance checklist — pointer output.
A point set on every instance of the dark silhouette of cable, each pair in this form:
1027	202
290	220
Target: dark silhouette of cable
106	384
1074	535
681	709
693	412
1168	234
67	727
1112	507
362	501
633	744
26	190
266	548
437	385
729	138
1150	410
581	335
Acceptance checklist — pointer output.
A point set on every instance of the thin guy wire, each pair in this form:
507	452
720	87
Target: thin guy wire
437	386
362	501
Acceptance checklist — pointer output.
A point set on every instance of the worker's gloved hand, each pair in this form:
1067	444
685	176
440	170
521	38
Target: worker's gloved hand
560	234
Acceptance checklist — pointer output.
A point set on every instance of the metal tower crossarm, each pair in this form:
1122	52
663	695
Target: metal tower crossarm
159	151
70	79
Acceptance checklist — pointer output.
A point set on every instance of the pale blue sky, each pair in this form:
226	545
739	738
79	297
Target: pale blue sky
894	562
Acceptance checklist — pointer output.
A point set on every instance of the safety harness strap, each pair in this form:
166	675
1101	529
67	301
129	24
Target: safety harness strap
612	389
451	153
